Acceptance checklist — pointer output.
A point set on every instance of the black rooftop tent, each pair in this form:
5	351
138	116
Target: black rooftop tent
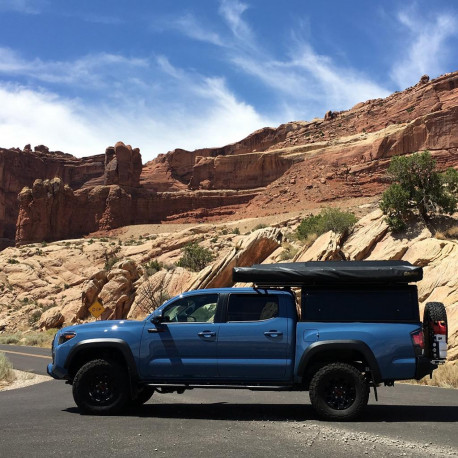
326	272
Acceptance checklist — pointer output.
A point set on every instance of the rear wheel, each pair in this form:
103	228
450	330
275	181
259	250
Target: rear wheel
338	391
101	387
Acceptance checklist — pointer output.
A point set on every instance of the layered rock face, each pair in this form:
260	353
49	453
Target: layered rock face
296	166
20	168
423	116
49	285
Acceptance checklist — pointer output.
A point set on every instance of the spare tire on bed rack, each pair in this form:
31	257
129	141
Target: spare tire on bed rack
435	330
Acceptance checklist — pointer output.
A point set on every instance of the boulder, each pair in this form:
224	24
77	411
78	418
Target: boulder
252	250
367	232
327	247
51	318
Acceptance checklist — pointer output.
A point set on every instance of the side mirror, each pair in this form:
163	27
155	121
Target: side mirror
158	318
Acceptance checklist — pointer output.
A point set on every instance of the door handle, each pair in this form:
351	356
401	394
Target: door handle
273	334
207	334
154	330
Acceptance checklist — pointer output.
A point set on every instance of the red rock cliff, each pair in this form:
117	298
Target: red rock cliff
292	167
19	168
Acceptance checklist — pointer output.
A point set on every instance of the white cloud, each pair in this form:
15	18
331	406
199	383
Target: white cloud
90	70
427	51
194	112
232	11
305	83
23	6
43	118
189	26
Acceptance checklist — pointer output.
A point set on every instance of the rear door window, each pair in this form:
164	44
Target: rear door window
251	307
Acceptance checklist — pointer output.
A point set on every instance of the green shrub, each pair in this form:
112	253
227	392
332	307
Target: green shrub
34	317
330	219
152	267
236	231
110	262
13	261
259	226
9	339
418	188
6	369
195	257
288	252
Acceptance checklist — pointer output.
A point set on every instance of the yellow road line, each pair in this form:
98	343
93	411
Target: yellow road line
25	354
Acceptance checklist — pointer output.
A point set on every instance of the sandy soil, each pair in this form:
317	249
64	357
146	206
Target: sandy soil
24	379
360	207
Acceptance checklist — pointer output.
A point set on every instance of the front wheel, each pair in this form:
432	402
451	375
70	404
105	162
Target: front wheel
101	387
339	391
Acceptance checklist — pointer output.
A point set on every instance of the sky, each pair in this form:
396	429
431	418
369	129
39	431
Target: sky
78	76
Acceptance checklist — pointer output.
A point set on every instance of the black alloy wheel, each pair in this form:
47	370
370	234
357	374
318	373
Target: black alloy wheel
338	391
101	387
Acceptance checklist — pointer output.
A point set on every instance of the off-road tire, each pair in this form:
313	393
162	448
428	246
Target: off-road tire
101	387
338	391
434	311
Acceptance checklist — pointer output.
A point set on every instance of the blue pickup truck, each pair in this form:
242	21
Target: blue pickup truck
348	327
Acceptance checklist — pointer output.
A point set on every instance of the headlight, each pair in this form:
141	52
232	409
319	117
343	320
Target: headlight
66	336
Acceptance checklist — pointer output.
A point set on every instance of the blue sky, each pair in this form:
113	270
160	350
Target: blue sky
78	76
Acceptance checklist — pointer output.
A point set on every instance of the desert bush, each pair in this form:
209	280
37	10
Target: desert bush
151	297
330	219
445	376
289	251
36	338
259	226
10	339
34	317
152	267
195	257
110	262
6	369
418	188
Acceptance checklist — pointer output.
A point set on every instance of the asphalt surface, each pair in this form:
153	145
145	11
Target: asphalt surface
42	420
28	359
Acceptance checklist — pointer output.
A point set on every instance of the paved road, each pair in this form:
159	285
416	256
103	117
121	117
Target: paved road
42	420
29	359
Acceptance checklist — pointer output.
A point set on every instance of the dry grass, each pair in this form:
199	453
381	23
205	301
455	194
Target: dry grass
7	375
448	233
445	376
32	339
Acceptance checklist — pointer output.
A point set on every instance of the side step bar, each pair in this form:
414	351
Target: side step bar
233	387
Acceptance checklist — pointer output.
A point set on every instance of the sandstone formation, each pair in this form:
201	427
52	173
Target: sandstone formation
299	165
50	285
19	168
123	166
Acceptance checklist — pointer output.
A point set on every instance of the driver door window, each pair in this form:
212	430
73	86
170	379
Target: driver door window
192	309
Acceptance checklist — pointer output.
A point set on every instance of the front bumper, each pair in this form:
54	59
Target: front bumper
56	372
424	367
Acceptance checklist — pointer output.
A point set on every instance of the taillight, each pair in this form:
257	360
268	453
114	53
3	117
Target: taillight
418	342
439	327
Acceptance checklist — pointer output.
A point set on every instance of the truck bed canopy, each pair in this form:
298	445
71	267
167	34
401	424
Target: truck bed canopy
326	272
